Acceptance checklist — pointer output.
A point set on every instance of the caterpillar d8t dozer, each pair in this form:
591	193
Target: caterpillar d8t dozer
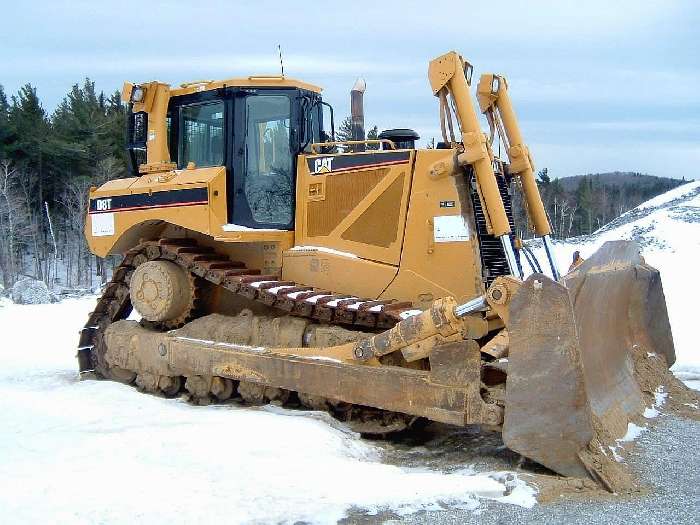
369	278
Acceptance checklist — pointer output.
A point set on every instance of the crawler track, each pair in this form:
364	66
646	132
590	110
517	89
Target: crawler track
202	262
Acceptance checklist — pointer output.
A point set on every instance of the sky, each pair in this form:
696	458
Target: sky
598	85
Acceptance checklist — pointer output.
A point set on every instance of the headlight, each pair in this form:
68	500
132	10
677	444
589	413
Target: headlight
137	94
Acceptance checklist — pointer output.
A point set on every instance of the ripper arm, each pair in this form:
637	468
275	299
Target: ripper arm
450	77
495	103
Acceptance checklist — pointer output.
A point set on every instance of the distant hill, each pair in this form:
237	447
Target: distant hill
641	181
581	204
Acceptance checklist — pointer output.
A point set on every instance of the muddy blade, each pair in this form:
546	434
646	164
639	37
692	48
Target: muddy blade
547	415
571	375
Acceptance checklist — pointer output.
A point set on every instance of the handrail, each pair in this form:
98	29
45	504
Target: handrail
350	142
267	77
195	83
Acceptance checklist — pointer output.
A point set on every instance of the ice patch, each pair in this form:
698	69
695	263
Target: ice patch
633	432
235	346
517	492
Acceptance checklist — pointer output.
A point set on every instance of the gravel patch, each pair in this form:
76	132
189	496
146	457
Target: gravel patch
664	458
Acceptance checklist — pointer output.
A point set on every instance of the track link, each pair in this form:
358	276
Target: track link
204	263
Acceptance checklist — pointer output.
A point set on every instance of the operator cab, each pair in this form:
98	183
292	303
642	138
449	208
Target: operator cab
256	133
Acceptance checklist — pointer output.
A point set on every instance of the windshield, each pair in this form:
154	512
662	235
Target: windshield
268	159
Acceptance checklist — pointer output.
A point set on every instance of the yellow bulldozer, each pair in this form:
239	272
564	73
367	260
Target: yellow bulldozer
372	279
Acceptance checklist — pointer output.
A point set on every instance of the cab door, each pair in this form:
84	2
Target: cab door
262	174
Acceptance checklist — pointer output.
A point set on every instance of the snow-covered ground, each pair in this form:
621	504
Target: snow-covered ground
90	451
668	229
74	451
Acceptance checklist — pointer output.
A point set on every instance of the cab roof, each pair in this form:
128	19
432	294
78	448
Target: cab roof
252	81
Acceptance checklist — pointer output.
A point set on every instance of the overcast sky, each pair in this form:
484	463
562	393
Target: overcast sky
599	85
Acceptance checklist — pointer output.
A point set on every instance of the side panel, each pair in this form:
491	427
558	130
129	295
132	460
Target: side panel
440	251
337	273
123	211
354	202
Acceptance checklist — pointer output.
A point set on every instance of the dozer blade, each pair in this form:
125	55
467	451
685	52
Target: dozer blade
571	380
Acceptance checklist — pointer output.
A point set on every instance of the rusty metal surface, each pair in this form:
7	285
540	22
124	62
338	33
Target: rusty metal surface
571	376
547	413
619	307
448	393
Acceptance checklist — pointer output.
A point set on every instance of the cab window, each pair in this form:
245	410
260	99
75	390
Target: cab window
201	135
268	162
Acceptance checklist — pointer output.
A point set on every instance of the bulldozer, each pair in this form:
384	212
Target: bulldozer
267	262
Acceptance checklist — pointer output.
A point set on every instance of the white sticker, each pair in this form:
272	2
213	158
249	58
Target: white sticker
102	224
450	228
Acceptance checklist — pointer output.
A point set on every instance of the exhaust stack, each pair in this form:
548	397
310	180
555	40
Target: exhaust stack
357	113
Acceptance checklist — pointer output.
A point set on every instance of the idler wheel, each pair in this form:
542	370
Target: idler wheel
161	291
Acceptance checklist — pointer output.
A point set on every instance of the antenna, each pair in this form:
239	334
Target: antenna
279	50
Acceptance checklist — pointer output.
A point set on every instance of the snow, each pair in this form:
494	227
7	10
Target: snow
633	432
660	397
355	306
95	451
102	452
668	229
280	288
239	228
314	298
258	284
236	346
410	313
335	302
322	249
650	413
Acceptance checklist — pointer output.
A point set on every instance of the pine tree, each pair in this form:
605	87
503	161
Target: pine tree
373	134
5	135
344	131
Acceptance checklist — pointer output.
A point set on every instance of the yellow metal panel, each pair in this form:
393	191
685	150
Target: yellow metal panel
207	219
337	273
335	207
117	185
431	269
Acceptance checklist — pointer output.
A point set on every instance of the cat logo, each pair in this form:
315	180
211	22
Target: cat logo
323	165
